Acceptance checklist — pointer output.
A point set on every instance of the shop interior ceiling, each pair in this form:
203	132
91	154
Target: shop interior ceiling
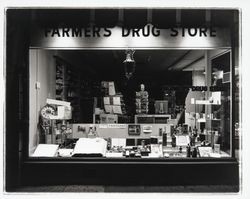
147	61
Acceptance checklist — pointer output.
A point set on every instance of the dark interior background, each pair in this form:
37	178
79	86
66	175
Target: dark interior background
151	69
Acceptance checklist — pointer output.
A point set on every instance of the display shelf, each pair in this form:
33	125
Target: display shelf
68	85
145	118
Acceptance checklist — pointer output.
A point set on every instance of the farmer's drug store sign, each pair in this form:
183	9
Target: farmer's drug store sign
119	37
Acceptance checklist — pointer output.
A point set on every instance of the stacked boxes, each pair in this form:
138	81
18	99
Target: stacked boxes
108	88
113	102
141	102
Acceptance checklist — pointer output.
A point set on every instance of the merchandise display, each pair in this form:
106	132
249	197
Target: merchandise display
142	101
110	118
161	144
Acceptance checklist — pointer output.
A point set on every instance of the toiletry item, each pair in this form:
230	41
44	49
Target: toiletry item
173	141
164	139
188	151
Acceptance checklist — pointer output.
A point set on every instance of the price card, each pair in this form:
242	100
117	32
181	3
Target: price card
216	148
182	140
111	88
117	110
108	108
116	101
106	100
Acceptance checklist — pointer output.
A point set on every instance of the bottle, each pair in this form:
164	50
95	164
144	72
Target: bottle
143	143
180	149
63	131
192	140
57	129
179	129
109	144
195	130
127	153
173	141
194	152
91	132
175	130
212	139
171	129
160	131
164	138
190	131
68	128
188	151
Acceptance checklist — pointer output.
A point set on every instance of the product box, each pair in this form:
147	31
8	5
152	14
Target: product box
111	88
108	119
108	88
161	106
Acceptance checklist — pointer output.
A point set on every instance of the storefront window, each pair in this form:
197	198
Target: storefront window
130	103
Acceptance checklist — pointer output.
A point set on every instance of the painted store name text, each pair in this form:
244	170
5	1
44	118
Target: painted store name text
147	31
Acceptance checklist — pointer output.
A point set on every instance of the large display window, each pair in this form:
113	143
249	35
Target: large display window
130	103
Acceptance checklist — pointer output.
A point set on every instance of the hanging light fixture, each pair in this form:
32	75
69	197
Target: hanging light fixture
129	63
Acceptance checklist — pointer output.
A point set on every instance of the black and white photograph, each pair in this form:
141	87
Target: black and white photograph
122	100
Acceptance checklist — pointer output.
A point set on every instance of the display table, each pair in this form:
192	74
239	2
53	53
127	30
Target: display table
146	151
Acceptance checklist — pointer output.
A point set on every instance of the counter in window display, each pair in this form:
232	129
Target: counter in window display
95	141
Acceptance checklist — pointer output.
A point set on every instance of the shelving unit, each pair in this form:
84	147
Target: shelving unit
68	85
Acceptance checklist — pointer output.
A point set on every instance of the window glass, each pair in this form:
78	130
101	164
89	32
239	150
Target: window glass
129	104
